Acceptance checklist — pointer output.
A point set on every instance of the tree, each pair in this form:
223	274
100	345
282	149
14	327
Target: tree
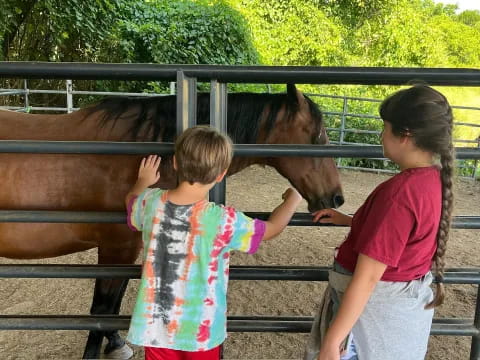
354	13
462	42
181	32
292	32
54	30
402	37
155	31
470	17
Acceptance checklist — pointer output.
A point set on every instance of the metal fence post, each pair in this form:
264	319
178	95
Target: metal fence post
26	92
475	348
342	125
475	162
218	119
69	96
186	102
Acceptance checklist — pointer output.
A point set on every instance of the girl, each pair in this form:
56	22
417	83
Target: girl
379	294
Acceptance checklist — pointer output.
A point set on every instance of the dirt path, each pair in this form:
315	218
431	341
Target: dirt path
255	189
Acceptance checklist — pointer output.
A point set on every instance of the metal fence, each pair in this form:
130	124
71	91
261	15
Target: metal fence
471	169
186	77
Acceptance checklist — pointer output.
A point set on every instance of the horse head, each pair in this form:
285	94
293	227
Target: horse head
290	118
300	122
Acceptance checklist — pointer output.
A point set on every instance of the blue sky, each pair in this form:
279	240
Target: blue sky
463	4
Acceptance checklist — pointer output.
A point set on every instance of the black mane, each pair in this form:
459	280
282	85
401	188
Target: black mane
157	115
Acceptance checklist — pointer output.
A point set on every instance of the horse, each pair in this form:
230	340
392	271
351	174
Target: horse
92	182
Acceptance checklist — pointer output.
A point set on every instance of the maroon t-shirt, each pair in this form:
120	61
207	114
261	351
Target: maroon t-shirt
397	225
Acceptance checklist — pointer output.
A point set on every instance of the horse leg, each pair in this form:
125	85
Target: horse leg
107	299
116	347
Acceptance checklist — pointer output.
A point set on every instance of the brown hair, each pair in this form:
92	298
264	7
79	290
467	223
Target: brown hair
202	153
426	114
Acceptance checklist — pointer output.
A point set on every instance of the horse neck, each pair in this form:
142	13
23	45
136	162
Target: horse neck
248	123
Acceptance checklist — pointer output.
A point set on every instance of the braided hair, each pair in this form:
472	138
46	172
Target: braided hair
426	115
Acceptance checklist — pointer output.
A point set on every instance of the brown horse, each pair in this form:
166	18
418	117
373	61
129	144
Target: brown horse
100	182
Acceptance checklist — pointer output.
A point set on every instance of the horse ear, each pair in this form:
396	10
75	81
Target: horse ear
294	95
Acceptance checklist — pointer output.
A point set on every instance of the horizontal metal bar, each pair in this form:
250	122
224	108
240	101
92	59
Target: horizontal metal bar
238	272
36	108
114	93
364	116
241	74
377	171
116	148
45	216
118	217
466	124
301	324
343	97
12	92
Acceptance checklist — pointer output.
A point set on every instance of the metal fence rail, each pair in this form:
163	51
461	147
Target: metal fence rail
302	324
343	131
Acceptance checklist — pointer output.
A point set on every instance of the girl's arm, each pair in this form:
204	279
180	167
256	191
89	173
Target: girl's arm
332	216
367	273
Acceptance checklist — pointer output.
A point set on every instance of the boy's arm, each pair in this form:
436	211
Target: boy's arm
148	174
281	215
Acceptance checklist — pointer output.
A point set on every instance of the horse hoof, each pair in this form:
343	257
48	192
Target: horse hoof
122	353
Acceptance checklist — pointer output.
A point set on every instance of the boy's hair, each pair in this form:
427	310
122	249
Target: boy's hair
202	153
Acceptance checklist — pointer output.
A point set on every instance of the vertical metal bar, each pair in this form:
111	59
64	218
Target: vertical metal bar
475	348
172	87
342	125
218	119
186	102
27	92
475	163
69	96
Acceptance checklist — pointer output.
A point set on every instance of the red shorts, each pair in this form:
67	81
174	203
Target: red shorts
153	353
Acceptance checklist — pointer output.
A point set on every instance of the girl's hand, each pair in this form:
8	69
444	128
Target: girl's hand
148	173
329	352
332	216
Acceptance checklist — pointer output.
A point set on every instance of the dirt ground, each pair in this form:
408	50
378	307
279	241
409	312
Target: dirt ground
254	189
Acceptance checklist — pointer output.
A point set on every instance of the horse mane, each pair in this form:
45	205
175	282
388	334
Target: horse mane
154	118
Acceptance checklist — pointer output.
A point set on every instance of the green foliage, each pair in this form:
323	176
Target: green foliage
181	32
354	13
54	30
469	17
292	32
400	39
462	42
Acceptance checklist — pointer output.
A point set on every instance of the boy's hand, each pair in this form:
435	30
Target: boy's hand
292	194
148	173
332	216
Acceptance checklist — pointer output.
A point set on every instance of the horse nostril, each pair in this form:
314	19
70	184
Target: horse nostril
338	200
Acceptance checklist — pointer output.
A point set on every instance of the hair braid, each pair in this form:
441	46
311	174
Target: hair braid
447	161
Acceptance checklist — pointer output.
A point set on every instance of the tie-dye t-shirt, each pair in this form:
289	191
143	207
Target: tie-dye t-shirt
181	302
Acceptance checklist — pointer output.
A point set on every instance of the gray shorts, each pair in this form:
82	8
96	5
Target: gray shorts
394	324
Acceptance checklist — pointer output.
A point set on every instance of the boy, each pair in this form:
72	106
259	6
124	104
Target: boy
180	311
